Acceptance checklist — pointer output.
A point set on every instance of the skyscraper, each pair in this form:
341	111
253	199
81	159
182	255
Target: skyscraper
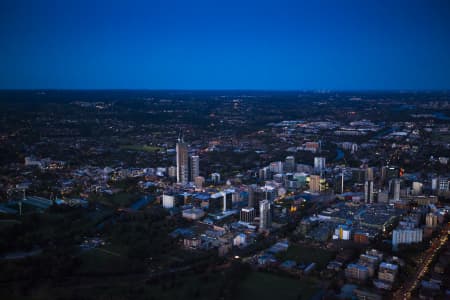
247	214
314	183
215	178
265	216
319	164
251	195
195	167
199	181
368	191
289	164
182	162
369	174
396	189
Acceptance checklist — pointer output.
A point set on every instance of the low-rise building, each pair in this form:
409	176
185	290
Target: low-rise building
387	272
357	272
193	213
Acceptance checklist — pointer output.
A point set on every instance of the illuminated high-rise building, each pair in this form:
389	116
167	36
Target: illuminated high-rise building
247	214
265	215
369	174
215	178
319	164
368	191
289	164
182	162
395	183
314	183
199	181
251	195
194	167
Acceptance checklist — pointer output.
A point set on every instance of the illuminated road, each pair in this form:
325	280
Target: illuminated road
406	291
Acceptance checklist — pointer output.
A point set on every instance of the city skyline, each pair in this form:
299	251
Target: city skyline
229	150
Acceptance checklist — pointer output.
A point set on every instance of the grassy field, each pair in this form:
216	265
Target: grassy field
123	199
306	254
103	261
262	286
4	224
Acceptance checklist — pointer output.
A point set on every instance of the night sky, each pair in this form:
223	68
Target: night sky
212	44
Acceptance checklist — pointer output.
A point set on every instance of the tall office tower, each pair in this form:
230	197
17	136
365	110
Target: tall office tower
251	195
383	175
264	173
215	178
195	167
431	220
247	214
368	191
434	183
417	188
396	196
227	200
289	164
339	183
319	164
314	183
168	201
172	171
199	181
276	167
182	162
444	184
369	174
393	172
265	215
383	196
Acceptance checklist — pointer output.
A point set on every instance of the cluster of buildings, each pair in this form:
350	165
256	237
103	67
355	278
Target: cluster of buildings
370	265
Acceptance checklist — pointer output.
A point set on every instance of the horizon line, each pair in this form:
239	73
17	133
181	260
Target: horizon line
227	90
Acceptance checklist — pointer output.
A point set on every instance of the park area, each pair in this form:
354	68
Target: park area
258	285
302	254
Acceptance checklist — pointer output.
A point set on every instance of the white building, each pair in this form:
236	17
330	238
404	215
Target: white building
319	164
193	213
342	232
431	220
168	201
417	188
215	178
240	240
265	215
407	236
32	161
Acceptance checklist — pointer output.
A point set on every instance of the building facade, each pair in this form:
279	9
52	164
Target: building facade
182	162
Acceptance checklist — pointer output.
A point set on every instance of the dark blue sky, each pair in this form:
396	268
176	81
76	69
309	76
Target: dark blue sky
213	44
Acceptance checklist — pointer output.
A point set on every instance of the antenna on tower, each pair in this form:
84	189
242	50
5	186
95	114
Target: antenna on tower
180	136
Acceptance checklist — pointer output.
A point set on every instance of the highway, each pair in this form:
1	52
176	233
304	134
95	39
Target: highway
405	292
